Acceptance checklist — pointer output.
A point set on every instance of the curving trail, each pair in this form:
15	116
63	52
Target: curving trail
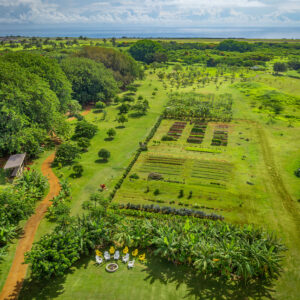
18	269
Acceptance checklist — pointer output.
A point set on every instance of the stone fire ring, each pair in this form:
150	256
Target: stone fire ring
112	267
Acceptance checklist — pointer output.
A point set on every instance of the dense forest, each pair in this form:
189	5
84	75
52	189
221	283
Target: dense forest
37	90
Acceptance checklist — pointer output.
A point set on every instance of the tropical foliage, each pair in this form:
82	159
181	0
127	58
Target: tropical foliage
17	202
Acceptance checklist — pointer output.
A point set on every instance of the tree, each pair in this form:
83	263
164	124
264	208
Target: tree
48	69
124	68
122	119
279	67
83	143
66	153
91	81
148	51
85	129
100	105
113	41
141	107
78	170
29	111
124	108
74	107
111	133
104	154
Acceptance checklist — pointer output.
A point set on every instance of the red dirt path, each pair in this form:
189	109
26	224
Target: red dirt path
18	270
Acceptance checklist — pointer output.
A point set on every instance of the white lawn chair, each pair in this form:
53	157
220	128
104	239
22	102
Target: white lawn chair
130	264
117	255
125	258
106	256
99	260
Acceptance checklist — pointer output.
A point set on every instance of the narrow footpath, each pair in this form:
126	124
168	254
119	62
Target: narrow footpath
18	269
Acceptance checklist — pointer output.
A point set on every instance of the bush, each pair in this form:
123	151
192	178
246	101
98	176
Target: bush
134	176
100	105
66	153
181	194
111	132
78	170
156	192
104	154
83	143
168	138
297	173
84	129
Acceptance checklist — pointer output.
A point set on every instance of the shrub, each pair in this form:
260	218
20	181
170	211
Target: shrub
104	154
156	192
181	194
134	176
100	105
78	170
66	153
83	143
168	138
84	129
297	173
111	132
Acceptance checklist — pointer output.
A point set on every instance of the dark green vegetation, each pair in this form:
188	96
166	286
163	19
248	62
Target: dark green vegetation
91	81
17	203
227	148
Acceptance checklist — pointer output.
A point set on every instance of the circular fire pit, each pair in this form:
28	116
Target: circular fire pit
112	267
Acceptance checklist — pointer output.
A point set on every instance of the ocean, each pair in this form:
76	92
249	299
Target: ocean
105	31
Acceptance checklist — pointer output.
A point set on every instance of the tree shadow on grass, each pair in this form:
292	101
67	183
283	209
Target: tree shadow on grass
101	161
136	115
200	287
51	288
120	127
108	139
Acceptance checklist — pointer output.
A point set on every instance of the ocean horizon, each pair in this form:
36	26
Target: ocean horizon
106	31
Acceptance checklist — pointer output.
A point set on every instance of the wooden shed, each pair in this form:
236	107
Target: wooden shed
15	163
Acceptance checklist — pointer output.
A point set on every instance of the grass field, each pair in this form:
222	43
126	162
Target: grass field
259	151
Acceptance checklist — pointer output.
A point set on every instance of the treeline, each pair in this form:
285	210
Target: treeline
36	91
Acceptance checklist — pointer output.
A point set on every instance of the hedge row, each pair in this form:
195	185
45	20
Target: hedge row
167	210
135	158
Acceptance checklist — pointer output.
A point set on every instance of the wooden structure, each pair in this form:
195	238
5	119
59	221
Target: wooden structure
15	163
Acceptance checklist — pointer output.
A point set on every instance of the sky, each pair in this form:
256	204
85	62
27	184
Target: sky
151	12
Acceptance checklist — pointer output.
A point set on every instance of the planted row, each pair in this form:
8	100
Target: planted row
171	211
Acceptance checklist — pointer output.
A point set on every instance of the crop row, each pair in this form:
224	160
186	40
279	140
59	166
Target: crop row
176	129
220	138
171	211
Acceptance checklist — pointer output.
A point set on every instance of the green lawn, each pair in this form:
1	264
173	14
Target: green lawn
155	279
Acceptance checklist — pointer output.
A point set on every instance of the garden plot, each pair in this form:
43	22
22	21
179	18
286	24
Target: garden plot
212	171
176	129
197	133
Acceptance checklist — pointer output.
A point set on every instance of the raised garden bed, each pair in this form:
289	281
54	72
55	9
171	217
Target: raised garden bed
220	138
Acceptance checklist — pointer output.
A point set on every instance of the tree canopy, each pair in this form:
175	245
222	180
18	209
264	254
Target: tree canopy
48	69
125	69
91	81
29	110
148	51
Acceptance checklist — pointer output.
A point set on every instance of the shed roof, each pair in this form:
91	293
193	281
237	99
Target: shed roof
15	160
